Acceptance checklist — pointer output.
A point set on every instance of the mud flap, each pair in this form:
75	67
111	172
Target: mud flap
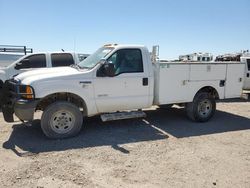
7	109
1	93
8	114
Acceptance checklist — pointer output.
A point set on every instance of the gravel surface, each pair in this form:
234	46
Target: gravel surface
164	149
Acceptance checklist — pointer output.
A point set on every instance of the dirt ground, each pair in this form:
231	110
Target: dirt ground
164	149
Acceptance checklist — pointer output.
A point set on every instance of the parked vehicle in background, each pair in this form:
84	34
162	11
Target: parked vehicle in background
115	82
244	57
246	60
197	57
40	60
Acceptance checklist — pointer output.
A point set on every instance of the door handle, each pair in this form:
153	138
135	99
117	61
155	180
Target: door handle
85	82
145	81
248	75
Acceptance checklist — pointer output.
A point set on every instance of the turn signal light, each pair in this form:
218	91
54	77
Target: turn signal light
29	92
26	92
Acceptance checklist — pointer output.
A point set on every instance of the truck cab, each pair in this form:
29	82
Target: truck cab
132	80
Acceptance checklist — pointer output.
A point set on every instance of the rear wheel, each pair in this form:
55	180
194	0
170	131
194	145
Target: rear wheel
61	120
202	108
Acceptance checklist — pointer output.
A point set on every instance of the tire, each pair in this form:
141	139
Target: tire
61	120
202	108
1	93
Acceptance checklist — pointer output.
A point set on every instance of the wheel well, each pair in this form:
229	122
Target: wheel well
210	90
70	97
1	84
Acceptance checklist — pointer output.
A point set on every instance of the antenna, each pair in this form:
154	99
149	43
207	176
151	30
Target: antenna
76	60
74	44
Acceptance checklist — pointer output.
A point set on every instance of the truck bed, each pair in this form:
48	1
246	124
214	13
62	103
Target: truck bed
179	82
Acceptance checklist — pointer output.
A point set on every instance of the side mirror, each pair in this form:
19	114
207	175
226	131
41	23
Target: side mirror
109	69
25	63
18	65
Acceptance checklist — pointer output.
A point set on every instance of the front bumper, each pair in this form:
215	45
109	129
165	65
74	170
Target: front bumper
12	103
24	109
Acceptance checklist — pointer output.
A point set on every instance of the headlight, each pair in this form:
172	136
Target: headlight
26	91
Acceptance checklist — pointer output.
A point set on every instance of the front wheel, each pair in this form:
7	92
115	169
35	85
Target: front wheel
61	120
202	108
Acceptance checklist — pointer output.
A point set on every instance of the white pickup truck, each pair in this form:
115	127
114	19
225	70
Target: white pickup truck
40	60
116	82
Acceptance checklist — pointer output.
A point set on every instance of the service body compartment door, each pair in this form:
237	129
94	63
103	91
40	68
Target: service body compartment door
173	83
207	71
234	80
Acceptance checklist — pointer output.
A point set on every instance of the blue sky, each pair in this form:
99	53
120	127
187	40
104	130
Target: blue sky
178	26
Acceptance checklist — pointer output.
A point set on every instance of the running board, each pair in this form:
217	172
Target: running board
122	115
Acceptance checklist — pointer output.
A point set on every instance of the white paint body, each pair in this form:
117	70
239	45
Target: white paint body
168	83
9	71
246	61
179	82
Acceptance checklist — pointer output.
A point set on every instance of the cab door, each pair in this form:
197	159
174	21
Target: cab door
128	89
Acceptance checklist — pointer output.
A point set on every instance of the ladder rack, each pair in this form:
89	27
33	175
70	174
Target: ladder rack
15	49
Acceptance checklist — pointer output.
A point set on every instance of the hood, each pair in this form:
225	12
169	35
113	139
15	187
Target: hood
48	74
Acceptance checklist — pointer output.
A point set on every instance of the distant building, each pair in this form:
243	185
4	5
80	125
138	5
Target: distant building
196	57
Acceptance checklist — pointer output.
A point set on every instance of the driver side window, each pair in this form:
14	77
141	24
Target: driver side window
127	61
33	61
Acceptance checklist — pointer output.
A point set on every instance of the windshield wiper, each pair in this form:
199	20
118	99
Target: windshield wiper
84	67
75	66
80	67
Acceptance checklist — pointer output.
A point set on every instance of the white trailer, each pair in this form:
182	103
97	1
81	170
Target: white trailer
195	57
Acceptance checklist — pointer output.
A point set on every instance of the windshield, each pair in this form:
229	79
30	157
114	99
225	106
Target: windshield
7	59
95	58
